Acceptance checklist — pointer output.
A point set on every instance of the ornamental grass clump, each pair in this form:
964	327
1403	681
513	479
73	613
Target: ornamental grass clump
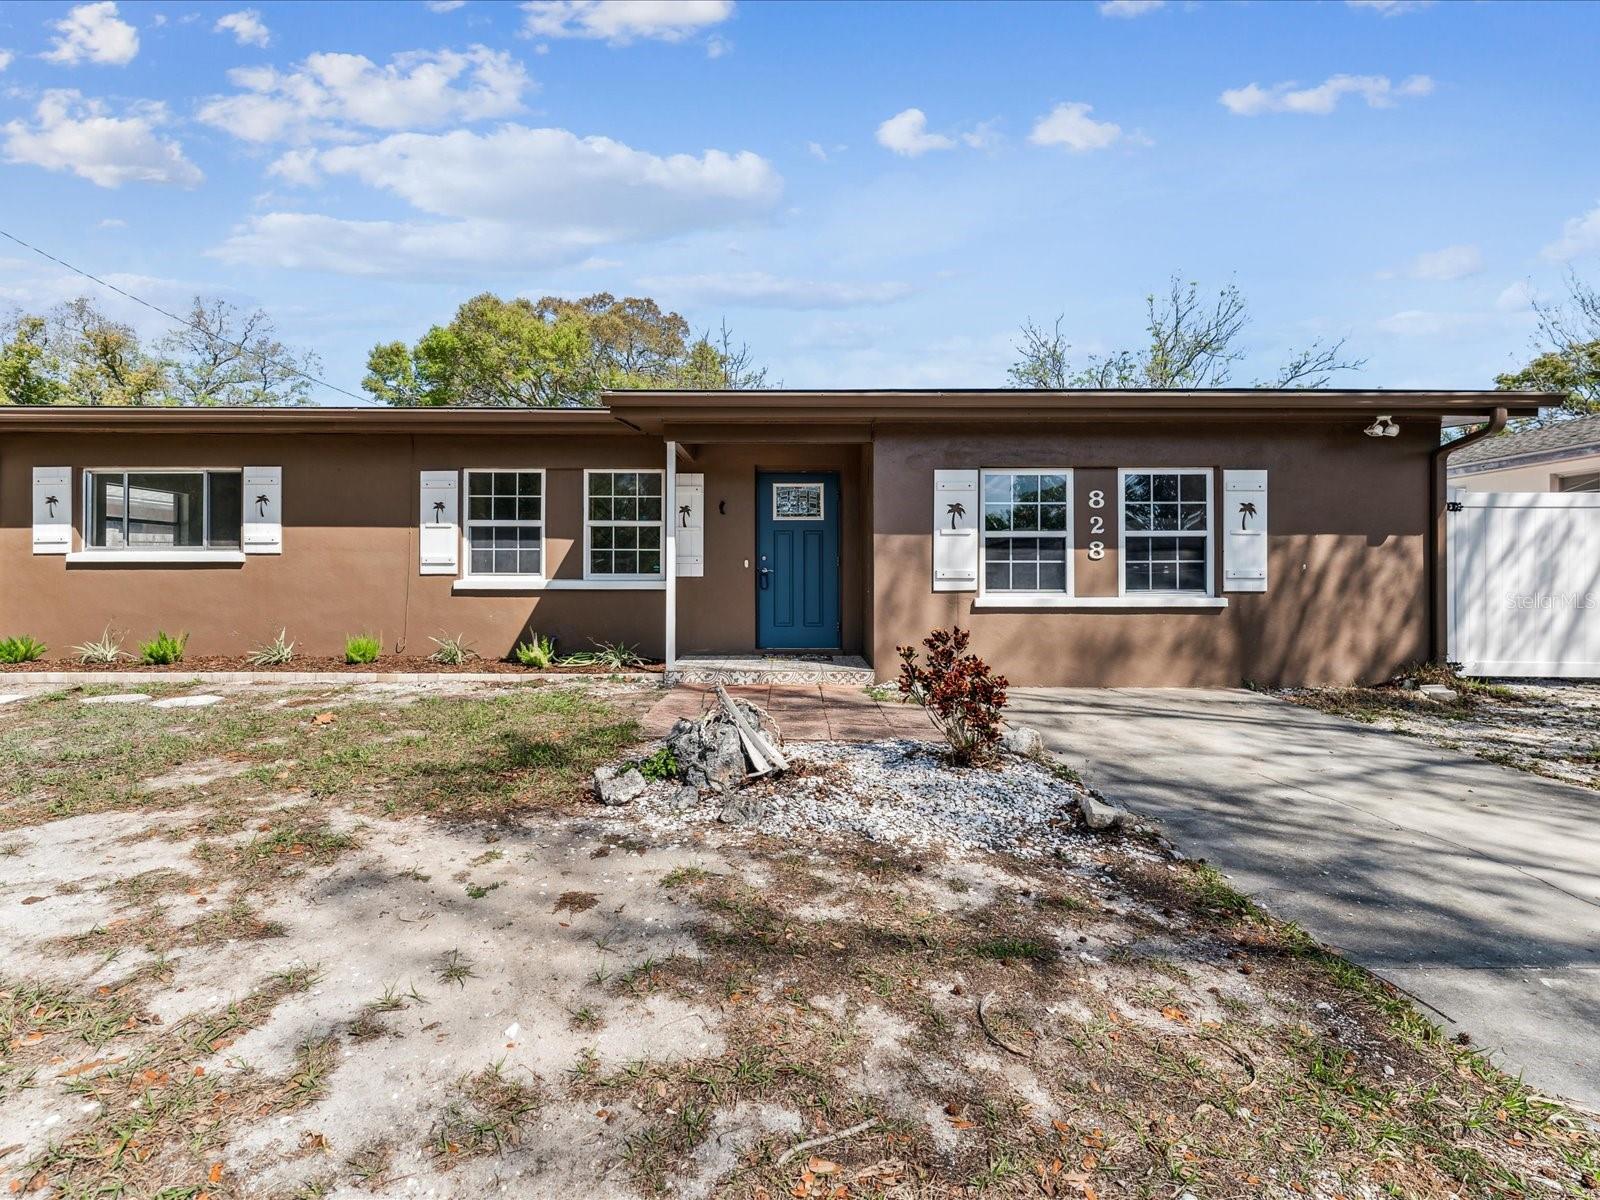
276	653
23	649
960	693
452	651
103	652
163	650
361	649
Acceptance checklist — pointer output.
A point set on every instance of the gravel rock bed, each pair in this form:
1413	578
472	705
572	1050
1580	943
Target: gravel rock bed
896	792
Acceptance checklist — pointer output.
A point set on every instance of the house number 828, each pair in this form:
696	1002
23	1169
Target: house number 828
1097	551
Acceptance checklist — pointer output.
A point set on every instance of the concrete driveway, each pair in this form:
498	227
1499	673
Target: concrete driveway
1474	887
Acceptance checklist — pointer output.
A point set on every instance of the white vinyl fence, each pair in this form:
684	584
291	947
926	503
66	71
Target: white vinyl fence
1525	583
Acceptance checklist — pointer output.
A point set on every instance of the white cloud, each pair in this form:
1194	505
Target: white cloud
758	289
716	46
1253	99
1518	297
5	59
445	6
1070	125
1579	235
93	33
71	133
907	133
1390	8
246	25
111	223
1442	266
514	197
983	136
622	21
297	167
1129	8
328	93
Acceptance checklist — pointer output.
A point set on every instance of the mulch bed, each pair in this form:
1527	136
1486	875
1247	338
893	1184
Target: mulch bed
387	665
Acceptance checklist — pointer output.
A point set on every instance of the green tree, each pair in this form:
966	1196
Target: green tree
1568	358
555	352
1193	343
76	354
28	371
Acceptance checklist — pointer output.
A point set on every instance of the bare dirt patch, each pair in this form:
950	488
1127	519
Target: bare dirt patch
402	954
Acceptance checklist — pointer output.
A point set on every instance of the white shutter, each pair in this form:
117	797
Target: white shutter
690	521
956	513
52	510
440	538
1244	531
263	510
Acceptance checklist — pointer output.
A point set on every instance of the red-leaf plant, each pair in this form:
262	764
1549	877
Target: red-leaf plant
960	693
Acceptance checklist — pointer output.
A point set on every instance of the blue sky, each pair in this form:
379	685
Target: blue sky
872	195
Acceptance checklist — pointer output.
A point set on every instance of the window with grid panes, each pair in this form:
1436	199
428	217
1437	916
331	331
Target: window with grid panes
623	524
1166	524
505	522
1025	531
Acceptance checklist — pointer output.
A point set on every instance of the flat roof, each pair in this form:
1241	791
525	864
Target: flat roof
652	411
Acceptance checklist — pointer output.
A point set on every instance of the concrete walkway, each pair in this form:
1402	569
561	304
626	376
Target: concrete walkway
1474	887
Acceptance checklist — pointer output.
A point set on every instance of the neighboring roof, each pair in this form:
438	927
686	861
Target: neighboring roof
1575	438
651	411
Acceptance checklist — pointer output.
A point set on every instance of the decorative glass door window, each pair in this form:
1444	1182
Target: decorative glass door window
164	510
797	502
1166	529
1025	531
505	523
623	524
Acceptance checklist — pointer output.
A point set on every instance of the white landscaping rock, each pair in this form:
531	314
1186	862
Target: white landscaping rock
187	702
1098	815
614	786
1023	740
1439	692
4	700
124	698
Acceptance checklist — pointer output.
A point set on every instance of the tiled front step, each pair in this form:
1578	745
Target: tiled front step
841	670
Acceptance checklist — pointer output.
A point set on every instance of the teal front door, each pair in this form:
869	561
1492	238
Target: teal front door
797	560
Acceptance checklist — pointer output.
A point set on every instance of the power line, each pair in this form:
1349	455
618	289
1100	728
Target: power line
196	326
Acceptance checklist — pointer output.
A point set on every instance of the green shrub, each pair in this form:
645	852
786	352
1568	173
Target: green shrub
105	652
452	651
163	650
663	764
274	653
538	653
362	648
617	656
21	649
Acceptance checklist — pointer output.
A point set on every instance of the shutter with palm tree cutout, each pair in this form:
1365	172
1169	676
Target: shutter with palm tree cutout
1243	521
956	513
691	525
440	536
263	510
52	510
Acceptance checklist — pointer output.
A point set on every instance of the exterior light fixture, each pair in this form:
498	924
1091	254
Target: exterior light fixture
1384	426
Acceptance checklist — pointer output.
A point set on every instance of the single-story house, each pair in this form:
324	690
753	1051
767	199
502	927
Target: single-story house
1181	538
1563	457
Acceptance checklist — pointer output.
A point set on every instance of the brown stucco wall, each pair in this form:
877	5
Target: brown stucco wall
1348	526
350	561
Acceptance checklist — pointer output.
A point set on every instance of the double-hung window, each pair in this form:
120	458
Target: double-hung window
1026	531
163	510
1166	532
622	524
505	523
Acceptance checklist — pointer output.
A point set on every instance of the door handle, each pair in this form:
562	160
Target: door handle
763	577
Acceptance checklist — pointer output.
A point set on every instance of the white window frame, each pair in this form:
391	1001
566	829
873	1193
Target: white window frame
810	485
158	553
588	524
467	523
1122	531
1024	598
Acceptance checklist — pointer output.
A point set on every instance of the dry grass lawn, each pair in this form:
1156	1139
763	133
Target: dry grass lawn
375	941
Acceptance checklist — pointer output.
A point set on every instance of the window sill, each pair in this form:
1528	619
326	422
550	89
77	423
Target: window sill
534	583
1021	600
111	558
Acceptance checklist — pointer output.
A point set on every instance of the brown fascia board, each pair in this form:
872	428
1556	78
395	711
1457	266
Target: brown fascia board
655	410
447	421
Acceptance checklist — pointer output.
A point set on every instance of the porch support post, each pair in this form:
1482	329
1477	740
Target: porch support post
669	508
